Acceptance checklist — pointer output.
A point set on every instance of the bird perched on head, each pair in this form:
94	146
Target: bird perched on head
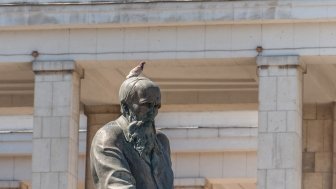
135	72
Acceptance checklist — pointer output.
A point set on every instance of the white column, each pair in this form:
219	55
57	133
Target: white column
56	120
280	122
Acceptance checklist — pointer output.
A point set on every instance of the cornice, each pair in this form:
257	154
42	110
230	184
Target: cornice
83	14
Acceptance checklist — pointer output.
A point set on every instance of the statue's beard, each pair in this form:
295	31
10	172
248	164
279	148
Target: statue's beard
142	140
142	136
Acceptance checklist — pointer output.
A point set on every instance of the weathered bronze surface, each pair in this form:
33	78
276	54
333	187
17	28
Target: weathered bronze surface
129	153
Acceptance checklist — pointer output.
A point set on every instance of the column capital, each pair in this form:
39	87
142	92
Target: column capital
289	60
58	65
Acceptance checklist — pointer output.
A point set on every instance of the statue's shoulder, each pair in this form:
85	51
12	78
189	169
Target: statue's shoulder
110	131
162	138
110	127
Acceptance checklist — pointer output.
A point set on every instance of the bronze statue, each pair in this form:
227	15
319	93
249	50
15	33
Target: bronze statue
129	153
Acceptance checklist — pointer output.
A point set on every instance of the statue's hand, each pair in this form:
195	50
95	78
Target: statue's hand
134	125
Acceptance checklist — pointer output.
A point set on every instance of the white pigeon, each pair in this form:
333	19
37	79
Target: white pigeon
135	72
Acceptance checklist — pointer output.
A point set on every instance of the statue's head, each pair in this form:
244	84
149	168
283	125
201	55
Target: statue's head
140	99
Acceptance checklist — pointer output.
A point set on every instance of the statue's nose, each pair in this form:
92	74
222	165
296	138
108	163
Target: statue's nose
152	111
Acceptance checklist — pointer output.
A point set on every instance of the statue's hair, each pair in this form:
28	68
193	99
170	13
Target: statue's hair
130	86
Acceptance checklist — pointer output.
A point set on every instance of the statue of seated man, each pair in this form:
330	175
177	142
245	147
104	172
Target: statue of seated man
129	153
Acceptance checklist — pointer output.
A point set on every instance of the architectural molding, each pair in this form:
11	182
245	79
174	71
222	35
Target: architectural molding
64	15
280	61
58	66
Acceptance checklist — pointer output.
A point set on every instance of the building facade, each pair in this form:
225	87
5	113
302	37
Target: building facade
248	88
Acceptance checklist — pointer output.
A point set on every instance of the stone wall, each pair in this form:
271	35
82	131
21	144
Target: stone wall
317	146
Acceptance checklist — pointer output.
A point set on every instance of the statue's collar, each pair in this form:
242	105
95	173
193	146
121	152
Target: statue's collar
123	124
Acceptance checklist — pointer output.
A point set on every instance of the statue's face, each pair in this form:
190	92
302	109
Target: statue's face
142	111
146	103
